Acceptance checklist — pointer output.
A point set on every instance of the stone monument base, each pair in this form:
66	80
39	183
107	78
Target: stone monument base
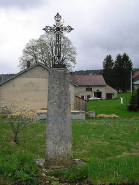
76	162
58	152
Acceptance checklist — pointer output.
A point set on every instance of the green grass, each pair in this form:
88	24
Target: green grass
113	106
110	147
19	168
105	139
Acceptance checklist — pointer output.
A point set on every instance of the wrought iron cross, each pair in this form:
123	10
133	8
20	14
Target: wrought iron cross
58	29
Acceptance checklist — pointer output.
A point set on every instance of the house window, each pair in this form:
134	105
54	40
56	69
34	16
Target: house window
82	97
108	96
88	89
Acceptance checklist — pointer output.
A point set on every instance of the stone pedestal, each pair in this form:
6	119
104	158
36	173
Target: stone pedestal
58	152
91	114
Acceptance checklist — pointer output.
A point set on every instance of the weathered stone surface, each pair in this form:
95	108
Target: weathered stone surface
41	115
78	115
76	162
79	162
58	132
91	114
40	162
74	115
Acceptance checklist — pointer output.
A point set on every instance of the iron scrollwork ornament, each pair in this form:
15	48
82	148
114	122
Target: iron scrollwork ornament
58	29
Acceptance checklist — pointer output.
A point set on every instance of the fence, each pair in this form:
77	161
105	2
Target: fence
80	104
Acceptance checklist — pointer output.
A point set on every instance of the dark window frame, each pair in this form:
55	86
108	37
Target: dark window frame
88	88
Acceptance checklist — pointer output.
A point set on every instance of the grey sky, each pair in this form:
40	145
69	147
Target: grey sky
100	28
22	4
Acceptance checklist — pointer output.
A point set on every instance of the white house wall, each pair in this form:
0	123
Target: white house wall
72	92
29	88
81	91
111	91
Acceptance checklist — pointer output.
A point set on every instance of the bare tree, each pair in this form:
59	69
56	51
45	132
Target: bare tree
19	120
43	50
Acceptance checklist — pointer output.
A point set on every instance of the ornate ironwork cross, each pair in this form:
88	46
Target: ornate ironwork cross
58	29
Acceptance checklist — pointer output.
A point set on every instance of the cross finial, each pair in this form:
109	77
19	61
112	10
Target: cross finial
57	17
58	29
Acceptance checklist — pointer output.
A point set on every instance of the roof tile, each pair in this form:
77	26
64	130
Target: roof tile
88	79
135	74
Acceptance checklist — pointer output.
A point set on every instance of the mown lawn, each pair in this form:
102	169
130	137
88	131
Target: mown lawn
113	106
110	148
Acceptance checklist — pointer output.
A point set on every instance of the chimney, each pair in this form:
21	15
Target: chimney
28	64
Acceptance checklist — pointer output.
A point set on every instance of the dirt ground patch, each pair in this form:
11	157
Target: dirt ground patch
107	116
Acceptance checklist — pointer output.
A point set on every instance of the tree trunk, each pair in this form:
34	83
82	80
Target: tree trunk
15	137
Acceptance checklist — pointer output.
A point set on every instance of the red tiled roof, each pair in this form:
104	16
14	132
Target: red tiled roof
88	79
135	74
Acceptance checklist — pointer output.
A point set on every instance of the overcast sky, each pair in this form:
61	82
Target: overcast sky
101	27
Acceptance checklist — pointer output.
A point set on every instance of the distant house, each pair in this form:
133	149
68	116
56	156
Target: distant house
4	77
30	87
136	76
136	80
136	84
93	86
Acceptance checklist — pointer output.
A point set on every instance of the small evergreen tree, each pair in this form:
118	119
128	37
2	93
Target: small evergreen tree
117	73
138	97
108	70
134	101
122	72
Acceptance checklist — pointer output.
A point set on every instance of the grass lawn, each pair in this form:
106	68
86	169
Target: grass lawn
113	106
110	148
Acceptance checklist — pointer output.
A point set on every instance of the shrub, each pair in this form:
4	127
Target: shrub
18	123
138	96
134	101
18	119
